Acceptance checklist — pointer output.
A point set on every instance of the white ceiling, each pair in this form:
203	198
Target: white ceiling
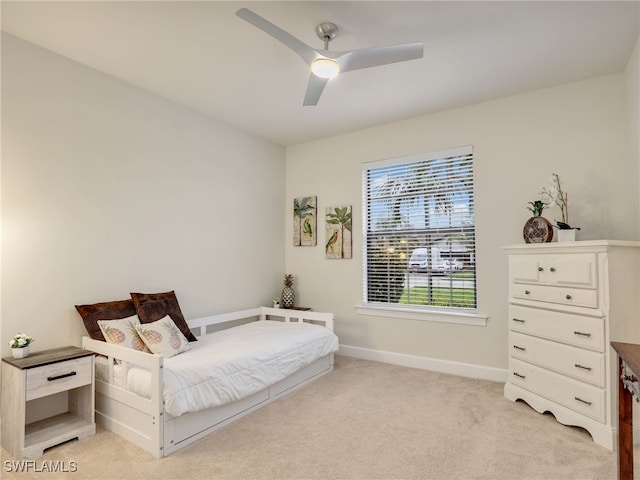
201	55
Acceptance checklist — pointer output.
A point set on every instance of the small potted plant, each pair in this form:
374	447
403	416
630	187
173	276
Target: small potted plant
20	345
276	302
559	197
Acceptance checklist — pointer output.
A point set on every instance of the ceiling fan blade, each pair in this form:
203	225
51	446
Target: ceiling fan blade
314	90
372	57
307	53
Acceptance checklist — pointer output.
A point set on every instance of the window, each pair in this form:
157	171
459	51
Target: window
419	236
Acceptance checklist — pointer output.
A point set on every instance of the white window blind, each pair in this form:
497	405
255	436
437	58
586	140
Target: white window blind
418	231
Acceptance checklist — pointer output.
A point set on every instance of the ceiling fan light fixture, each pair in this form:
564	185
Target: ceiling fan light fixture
326	64
325	68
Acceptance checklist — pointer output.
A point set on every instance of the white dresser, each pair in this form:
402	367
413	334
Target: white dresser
567	301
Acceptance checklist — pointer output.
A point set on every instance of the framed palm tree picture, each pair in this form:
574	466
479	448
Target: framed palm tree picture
338	226
304	221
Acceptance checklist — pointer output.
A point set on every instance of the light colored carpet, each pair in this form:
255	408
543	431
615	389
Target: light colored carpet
365	420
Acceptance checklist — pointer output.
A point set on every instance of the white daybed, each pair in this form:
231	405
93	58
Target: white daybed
137	410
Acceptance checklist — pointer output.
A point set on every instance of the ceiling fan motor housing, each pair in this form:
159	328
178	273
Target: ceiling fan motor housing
326	32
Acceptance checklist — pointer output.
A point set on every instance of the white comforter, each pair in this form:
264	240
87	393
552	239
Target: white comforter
231	364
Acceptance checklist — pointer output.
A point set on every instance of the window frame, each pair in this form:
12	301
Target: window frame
448	314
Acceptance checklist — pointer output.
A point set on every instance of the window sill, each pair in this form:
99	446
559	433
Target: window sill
458	318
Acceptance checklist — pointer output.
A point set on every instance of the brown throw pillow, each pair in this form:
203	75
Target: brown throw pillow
104	311
151	307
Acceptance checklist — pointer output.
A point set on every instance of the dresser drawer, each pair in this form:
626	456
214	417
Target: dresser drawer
576	269
563	295
572	270
585	332
575	362
58	377
578	396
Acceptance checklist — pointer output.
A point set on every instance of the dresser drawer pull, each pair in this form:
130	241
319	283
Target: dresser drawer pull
577	365
581	334
552	269
527	292
519	376
58	377
568	297
540	269
518	320
517	347
582	401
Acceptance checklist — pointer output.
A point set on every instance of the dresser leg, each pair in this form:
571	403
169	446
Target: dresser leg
625	430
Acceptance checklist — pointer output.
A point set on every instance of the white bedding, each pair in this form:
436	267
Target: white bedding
231	364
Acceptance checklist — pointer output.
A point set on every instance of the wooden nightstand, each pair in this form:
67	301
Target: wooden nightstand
43	374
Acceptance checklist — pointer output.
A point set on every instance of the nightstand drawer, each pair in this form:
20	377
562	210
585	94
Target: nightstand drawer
58	377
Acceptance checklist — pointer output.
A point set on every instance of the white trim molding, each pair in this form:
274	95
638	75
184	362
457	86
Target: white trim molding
431	315
425	363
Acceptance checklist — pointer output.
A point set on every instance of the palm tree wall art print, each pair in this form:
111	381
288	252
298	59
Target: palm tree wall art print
338	225
304	221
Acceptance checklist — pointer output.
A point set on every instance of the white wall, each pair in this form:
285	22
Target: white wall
107	189
632	79
632	84
578	131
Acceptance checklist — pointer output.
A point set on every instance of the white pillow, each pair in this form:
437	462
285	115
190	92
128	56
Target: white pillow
163	337
122	332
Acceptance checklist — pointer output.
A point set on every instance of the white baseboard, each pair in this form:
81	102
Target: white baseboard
426	363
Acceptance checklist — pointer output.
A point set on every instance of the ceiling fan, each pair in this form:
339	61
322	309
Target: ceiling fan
326	64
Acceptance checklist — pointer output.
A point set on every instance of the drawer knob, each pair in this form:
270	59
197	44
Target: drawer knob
568	297
527	292
58	377
578	399
519	376
552	269
582	334
588	369
518	347
540	269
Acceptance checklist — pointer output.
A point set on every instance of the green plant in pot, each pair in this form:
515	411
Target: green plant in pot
20	345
